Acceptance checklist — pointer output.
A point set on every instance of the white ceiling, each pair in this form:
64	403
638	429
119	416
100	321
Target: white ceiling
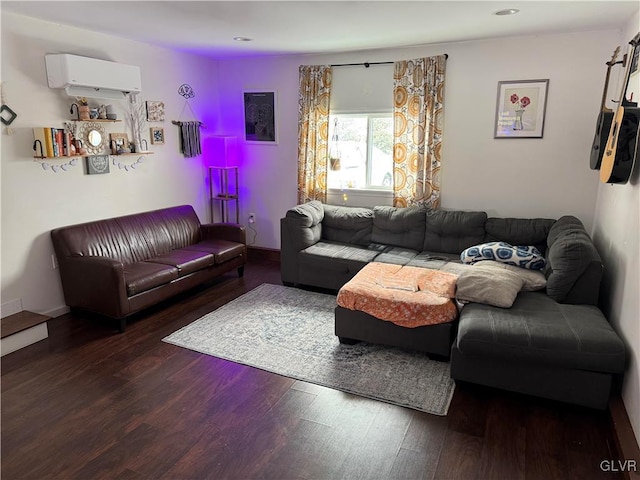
289	27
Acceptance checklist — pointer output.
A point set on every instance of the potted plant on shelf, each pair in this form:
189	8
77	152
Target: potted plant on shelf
83	110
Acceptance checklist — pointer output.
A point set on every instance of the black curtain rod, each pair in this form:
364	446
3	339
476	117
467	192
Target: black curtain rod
368	64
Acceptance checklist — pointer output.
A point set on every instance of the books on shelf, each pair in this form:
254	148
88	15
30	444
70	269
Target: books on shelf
55	142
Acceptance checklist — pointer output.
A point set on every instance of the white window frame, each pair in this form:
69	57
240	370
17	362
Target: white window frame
369	189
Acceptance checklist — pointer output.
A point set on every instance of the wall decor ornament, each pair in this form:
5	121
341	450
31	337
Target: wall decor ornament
55	168
7	115
155	111
186	91
127	166
520	108
157	136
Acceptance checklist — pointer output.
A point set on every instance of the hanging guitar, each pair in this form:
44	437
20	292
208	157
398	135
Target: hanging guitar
603	125
622	145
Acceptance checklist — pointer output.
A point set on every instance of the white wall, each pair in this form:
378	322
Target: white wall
616	235
546	177
34	201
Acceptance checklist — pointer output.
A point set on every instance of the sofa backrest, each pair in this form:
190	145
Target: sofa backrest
451	231
347	224
130	238
574	267
400	227
519	231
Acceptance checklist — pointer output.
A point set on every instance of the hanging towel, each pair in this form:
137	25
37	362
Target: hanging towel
190	139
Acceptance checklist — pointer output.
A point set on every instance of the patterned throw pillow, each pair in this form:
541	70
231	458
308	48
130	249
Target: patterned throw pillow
520	256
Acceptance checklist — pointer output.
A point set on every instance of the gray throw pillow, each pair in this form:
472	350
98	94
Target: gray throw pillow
492	287
533	279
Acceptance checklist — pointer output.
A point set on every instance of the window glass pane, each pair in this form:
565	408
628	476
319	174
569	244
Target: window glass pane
381	152
353	140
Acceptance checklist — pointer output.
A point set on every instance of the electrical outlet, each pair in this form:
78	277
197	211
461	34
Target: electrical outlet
54	261
252	218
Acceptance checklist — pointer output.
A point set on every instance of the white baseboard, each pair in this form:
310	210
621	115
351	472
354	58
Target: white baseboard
24	338
56	312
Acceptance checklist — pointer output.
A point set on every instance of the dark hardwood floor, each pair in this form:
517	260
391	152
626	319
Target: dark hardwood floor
89	403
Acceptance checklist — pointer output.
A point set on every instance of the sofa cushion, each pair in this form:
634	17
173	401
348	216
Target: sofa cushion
498	287
142	276
538	330
396	255
331	265
519	256
519	231
323	251
533	279
347	224
453	231
400	227
186	261
222	250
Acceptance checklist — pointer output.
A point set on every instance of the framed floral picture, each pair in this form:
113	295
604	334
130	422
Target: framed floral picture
157	136
520	108
155	111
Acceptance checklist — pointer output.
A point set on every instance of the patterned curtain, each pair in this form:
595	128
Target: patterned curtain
313	131
418	92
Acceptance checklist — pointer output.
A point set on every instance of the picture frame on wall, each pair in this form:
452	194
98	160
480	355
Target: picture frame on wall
260	117
157	136
97	164
520	108
155	111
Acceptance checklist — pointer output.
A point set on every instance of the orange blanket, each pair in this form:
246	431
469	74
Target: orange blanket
407	296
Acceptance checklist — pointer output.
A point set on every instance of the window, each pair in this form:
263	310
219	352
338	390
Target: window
361	151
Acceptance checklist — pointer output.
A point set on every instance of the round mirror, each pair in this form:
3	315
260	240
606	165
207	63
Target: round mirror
94	138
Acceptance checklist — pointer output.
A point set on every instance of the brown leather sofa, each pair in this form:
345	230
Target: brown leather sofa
119	266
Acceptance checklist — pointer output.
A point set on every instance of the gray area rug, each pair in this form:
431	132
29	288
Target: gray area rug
290	332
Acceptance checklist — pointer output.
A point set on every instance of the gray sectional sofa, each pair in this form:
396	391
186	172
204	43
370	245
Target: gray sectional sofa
554	343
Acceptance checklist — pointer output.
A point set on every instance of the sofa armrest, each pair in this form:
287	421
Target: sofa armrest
96	284
232	232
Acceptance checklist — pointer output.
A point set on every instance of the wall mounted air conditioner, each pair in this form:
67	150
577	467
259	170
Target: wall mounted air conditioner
90	77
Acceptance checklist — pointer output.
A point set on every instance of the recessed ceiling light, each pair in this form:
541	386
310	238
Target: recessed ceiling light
508	11
243	39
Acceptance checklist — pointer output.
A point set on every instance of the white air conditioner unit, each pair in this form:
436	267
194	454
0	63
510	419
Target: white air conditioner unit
90	77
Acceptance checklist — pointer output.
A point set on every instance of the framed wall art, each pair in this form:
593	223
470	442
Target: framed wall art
157	136
260	117
155	111
520	108
97	164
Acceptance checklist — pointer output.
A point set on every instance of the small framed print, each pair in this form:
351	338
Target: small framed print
157	136
155	111
97	164
521	108
119	143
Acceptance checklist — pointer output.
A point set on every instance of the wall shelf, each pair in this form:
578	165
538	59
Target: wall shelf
87	155
103	120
